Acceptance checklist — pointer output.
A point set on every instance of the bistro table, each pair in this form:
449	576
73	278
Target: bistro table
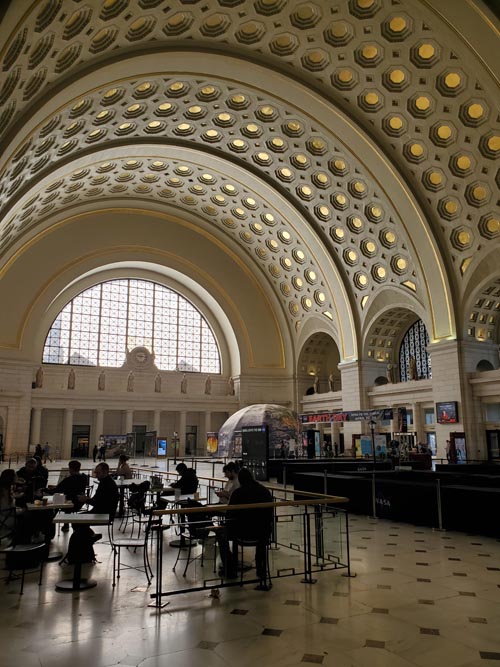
178	500
50	505
123	484
83	519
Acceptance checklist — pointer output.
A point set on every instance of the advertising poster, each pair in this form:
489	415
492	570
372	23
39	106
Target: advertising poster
366	446
115	445
212	444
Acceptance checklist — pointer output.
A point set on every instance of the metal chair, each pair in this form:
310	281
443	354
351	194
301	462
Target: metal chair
25	557
133	543
7	523
241	543
198	525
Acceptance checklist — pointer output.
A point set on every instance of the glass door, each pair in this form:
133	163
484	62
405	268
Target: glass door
493	444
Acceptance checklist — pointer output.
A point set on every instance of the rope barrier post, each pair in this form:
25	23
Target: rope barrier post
439	507
374	500
318	532
307	548
348	547
157	604
284	479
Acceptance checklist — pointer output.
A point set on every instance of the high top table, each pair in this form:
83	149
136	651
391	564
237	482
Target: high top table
77	583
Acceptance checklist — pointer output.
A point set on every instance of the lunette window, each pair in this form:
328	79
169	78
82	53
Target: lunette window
97	326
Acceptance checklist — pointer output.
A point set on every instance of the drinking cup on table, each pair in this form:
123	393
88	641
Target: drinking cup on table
177	494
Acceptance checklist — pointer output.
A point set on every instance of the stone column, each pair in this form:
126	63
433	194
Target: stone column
182	433
353	398
447	379
67	433
335	435
417	423
208	429
156	422
129	418
36	423
98	427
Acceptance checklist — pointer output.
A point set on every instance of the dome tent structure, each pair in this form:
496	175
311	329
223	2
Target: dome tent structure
283	425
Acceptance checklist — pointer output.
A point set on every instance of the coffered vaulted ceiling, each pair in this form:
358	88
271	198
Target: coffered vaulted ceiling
371	120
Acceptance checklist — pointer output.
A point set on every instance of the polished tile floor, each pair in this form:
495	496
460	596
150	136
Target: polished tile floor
419	597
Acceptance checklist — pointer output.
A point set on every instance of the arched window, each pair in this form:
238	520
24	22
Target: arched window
414	345
98	325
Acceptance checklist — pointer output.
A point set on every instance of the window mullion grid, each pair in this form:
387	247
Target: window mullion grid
70	331
200	334
178	334
128	315
99	327
153	320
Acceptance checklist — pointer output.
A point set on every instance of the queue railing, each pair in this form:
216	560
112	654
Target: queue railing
310	535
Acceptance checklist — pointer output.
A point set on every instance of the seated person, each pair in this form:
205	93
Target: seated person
72	486
230	471
104	500
30	482
7	503
123	469
41	469
187	482
253	524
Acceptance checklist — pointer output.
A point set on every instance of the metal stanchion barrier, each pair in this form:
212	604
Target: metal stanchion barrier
374	498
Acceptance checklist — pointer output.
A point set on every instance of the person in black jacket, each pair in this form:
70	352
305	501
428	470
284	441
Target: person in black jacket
72	486
30	481
104	500
252	524
187	484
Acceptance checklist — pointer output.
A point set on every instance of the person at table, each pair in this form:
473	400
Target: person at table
230	471
187	484
252	524
41	469
30	481
14	521
123	469
105	499
7	503
72	486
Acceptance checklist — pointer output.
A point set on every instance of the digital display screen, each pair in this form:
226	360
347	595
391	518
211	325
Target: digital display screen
161	447
447	413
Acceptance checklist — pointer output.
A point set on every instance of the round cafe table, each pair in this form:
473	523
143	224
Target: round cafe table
78	583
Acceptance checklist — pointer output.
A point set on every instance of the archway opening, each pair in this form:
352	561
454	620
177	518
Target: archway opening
318	371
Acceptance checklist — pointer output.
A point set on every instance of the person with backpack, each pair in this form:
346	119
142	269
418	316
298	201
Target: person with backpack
104	501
